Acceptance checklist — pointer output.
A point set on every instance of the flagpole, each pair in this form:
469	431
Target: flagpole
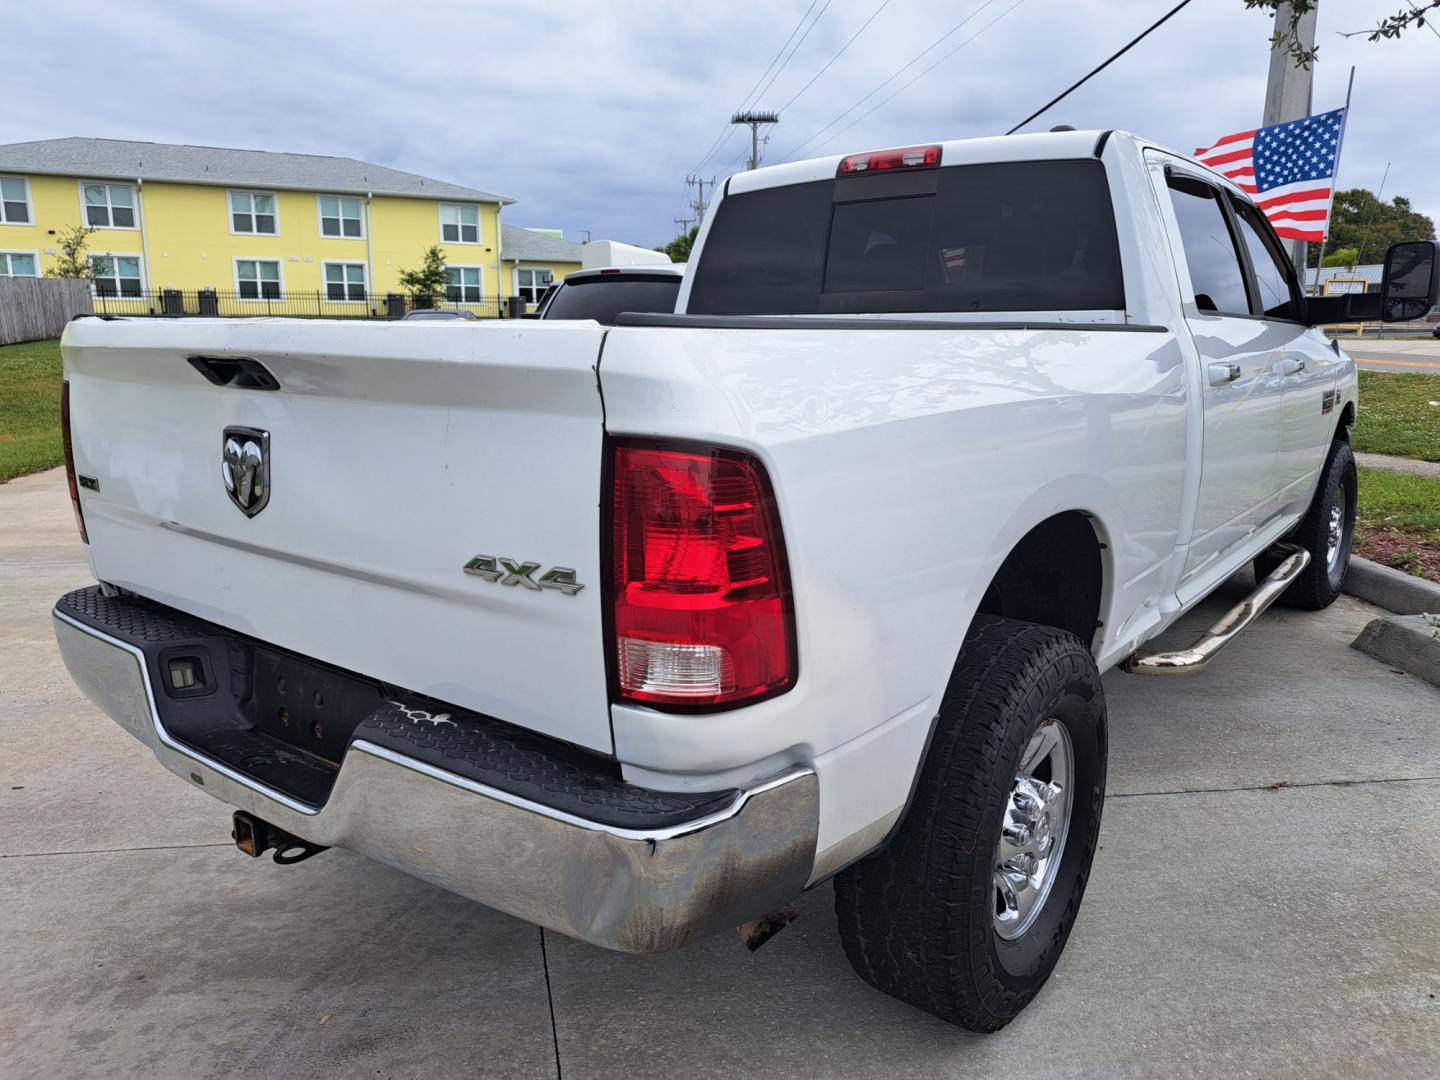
1335	179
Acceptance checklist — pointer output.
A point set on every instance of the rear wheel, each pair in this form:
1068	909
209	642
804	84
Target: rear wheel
1326	531
966	912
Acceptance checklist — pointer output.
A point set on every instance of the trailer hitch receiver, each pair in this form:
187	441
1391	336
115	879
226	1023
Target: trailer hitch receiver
254	837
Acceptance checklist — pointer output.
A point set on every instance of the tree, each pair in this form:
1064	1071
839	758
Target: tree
427	283
1360	220
1343	257
72	261
679	248
1287	34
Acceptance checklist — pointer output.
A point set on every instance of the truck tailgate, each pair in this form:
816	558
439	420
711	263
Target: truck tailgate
397	453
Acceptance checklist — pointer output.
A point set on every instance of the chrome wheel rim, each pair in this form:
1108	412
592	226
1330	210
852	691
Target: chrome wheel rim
1033	829
1335	530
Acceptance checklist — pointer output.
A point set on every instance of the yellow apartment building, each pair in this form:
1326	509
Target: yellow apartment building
201	229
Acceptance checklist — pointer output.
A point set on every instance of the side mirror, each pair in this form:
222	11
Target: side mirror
1411	285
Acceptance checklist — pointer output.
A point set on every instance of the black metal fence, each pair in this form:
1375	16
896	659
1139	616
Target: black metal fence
293	305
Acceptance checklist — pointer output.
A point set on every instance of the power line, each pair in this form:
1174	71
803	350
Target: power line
1096	71
726	128
828	64
912	82
793	51
895	75
795	97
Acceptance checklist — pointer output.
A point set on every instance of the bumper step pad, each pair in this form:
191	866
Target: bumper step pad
227	726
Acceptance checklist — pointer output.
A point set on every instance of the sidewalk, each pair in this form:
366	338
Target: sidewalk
1399	464
1429	347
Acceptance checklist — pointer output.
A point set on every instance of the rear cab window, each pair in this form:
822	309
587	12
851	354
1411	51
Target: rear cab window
603	298
1014	236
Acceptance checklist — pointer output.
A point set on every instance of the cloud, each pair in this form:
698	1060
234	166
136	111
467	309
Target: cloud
592	114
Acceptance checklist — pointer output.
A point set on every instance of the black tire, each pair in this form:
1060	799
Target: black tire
1321	582
918	919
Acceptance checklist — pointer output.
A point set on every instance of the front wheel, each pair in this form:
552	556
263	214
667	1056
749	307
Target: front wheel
966	912
1326	531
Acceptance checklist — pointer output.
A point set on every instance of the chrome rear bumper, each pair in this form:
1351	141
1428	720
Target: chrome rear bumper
634	890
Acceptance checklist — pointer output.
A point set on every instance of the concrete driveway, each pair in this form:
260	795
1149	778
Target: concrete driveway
1265	903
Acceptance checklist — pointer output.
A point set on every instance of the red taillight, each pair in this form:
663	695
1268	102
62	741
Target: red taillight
70	458
909	157
701	613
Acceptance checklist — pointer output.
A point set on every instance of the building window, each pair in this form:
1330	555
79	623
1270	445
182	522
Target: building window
344	281
253	212
14	200
340	216
17	264
531	284
115	275
109	206
257	279
462	284
459	224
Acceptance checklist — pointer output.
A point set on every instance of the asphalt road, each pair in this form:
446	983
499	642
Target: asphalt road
1265	903
1422	357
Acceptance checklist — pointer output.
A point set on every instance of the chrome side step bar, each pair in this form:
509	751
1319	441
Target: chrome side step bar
1230	625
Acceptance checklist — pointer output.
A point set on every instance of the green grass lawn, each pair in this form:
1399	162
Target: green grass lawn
1397	521
29	408
1398	415
1400	503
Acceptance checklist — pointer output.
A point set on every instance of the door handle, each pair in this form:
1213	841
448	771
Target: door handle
1290	366
1220	374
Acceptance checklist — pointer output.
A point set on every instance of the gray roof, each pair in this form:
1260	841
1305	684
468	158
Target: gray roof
123	159
530	246
1371	273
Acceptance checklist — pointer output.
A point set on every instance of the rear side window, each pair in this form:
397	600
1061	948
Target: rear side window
602	298
1022	236
1209	248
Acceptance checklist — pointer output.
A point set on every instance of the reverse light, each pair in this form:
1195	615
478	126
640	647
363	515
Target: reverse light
909	157
700	594
70	459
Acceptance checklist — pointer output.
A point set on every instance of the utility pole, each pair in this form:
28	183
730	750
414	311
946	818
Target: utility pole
1287	93
755	119
682	226
699	205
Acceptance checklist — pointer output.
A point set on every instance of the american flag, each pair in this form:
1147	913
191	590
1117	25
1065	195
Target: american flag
1288	168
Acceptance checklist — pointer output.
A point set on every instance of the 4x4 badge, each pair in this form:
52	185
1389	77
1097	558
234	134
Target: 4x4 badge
245	468
516	572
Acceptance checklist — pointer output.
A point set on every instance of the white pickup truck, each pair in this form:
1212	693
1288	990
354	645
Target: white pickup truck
637	632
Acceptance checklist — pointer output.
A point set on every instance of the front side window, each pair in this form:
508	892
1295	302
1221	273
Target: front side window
531	284
459	224
1210	253
1015	236
1274	274
257	279
14	200
17	264
253	212
115	275
340	216
344	281
462	284
109	206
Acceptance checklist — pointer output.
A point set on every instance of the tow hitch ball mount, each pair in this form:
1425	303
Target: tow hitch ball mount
255	836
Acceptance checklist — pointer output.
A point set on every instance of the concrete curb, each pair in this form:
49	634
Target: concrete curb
1408	642
1386	587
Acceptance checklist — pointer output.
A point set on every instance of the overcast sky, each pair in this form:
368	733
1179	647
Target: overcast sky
592	114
